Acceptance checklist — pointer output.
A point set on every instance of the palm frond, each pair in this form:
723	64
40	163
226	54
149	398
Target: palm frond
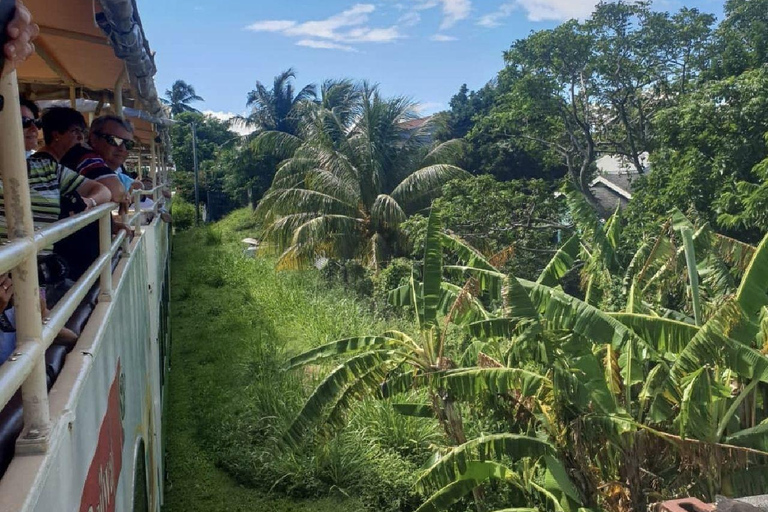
448	152
426	183
386	213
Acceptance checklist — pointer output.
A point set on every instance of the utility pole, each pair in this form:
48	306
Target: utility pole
197	189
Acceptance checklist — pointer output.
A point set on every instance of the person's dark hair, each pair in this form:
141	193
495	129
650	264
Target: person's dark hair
59	120
31	105
98	124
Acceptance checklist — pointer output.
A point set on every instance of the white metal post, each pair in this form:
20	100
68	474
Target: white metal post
153	160
13	166
105	243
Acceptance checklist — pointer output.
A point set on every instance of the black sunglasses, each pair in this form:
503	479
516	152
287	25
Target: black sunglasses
117	141
26	122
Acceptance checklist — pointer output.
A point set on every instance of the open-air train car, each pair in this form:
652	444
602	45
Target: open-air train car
82	430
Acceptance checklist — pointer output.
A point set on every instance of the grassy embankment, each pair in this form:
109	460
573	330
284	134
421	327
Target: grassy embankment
233	321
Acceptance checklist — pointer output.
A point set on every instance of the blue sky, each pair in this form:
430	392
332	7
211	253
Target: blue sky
423	49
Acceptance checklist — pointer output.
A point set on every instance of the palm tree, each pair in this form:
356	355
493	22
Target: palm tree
278	109
353	172
179	96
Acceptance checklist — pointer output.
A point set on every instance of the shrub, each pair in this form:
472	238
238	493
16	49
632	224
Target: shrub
183	214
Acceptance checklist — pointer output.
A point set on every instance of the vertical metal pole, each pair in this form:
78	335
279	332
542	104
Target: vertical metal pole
197	188
29	327
73	97
105	242
153	161
119	92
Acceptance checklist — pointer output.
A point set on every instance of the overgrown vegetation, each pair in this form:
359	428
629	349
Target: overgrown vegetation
501	340
234	319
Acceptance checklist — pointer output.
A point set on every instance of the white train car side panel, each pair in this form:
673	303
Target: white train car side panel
106	405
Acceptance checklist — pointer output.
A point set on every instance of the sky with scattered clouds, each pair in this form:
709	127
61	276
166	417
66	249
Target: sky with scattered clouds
423	49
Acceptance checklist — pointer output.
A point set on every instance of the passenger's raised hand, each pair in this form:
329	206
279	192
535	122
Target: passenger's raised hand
21	33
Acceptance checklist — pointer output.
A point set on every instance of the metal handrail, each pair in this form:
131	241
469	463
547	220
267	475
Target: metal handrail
71	300
13	252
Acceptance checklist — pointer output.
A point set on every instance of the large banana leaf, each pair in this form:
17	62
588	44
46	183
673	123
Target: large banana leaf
715	345
494	328
490	281
345	346
472	383
755	437
700	392
332	390
433	272
588	223
494	447
447	496
561	262
466	253
402	296
664	334
564	312
693	275
752	294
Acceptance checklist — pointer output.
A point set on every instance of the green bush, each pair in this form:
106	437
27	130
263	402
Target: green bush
183	214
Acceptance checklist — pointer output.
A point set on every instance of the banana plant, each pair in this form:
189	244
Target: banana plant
640	372
373	359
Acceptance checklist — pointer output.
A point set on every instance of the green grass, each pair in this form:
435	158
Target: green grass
234	322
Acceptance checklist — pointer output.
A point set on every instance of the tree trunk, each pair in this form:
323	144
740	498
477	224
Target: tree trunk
450	417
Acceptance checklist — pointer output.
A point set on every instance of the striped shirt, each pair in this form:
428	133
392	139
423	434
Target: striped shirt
48	181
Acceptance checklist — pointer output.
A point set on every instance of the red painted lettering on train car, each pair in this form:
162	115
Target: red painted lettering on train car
101	483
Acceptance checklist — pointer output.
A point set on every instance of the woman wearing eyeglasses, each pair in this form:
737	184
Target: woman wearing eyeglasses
49	181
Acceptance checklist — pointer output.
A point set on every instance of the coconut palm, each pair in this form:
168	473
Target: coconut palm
278	108
357	167
179	97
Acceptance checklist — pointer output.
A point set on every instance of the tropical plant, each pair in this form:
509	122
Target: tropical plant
179	97
278	108
359	165
629	394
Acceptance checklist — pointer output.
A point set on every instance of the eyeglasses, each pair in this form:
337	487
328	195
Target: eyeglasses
116	141
27	122
80	132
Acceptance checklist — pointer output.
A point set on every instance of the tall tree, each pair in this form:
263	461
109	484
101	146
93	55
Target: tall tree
278	108
348	181
179	97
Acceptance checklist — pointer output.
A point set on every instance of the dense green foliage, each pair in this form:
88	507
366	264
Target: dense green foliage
357	167
510	342
233	320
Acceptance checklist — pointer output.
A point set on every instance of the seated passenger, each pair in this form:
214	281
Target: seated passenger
97	161
49	181
109	141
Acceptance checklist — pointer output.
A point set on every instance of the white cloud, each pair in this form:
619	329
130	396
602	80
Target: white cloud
557	10
494	19
409	19
336	32
442	38
325	45
271	25
238	127
453	10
